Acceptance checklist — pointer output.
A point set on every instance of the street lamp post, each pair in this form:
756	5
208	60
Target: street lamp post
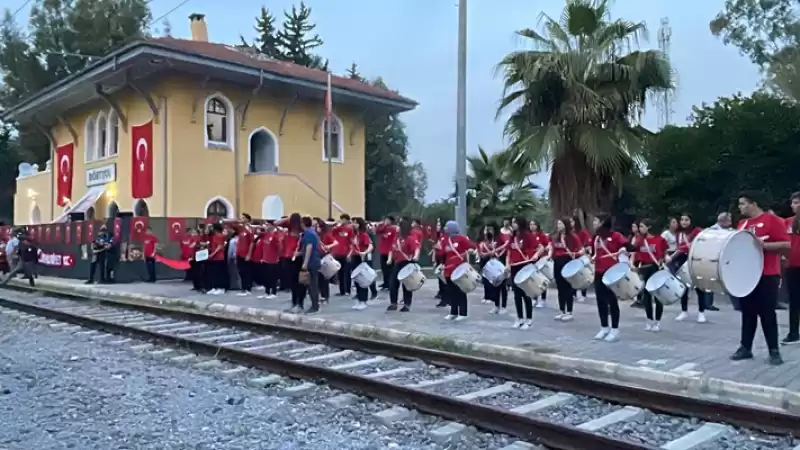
461	118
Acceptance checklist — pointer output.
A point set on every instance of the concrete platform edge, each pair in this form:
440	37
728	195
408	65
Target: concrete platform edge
719	389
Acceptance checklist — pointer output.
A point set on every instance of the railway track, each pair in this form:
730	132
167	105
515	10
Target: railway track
539	407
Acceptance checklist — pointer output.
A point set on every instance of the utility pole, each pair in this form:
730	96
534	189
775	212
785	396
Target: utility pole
461	119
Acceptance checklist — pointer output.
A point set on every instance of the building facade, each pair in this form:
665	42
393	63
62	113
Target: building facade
188	128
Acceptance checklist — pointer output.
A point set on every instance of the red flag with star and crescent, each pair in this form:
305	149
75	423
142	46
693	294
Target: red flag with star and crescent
89	235
142	164
138	228
117	229
176	228
64	181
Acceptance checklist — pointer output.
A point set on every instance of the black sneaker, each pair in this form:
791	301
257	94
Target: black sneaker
405	308
791	339
438	295
391	307
312	310
374	296
712	308
637	304
775	358
89	282
442	304
781	306
741	354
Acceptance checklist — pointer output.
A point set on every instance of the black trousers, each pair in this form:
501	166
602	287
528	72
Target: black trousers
272	274
312	288
650	302
521	299
286	271
98	264
386	270
217	272
566	295
324	287
395	285
792	280
760	305
245	268
607	303
456	298
150	268
196	275
361	293
344	276
298	290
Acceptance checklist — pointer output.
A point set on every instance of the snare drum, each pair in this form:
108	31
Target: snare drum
531	281
623	281
726	262
683	274
364	275
546	267
579	273
330	266
439	272
494	271
466	278
412	277
665	287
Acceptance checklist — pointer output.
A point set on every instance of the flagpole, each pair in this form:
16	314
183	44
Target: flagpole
329	144
461	118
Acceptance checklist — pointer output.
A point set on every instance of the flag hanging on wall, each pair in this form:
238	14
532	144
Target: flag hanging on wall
176	228
89	235
117	229
64	181
57	234
138	228
142	163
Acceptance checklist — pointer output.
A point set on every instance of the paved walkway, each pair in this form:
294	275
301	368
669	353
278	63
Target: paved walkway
681	347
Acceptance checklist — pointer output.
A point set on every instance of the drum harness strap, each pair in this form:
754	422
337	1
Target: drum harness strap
608	253
655	261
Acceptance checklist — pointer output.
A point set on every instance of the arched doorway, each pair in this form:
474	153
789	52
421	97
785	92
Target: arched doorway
219	207
262	151
113	210
89	214
272	208
140	209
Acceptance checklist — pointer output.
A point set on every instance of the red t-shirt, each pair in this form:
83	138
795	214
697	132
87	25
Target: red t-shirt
794	253
343	235
769	228
258	248
586	237
542	239
407	248
522	248
217	242
386	235
454	250
487	246
418	232
187	249
361	242
657	245
685	240
441	243
569	242
326	240
502	241
290	241
271	247
150	242
603	247
244	241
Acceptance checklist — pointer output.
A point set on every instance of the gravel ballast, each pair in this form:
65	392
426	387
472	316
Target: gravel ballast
653	429
64	391
748	440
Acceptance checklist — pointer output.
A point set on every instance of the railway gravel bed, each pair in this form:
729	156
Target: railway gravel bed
522	394
583	409
653	429
746	440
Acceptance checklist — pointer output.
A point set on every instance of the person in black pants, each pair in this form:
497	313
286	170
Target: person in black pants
310	260
405	250
565	245
608	245
759	305
792	272
100	248
386	233
456	251
648	257
487	251
343	233
361	247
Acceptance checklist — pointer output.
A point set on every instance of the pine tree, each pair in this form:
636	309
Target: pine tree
353	73
267	42
296	39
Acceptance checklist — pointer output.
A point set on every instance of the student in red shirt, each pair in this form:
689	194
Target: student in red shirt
503	238
523	249
686	234
244	253
405	250
564	246
386	233
270	258
343	233
326	243
187	252
456	252
542	243
149	250
634	238
792	273
487	246
760	304
649	252
608	245
586	240
360	249
256	256
438	257
216	265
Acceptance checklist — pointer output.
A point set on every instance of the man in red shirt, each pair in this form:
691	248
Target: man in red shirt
760	304
343	233
386	233
244	253
149	250
792	273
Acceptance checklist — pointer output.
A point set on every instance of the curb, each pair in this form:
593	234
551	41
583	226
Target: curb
708	387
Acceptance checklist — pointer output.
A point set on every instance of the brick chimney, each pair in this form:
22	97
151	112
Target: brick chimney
197	23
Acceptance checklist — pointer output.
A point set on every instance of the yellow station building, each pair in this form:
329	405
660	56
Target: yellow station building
231	131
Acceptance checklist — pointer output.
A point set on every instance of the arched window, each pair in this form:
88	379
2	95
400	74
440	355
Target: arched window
102	136
113	133
337	142
89	215
217	209
89	139
113	210
219	122
262	152
141	209
36	215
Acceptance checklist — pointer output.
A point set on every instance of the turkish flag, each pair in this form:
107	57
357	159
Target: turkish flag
89	232
33	232
64	181
175	229
142	164
57	235
78	232
138	228
117	229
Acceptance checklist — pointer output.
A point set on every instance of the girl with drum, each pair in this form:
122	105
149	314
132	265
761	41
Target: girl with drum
405	251
542	242
671	236
523	249
487	248
326	243
686	234
360	247
608	245
648	255
634	238
586	239
438	257
565	246
503	238
456	252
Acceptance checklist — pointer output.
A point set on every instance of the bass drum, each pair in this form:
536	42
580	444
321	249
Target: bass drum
726	262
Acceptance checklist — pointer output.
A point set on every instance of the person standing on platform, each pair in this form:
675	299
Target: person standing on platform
360	248
187	253
456	252
792	273
311	258
244	254
343	233
608	245
270	259
523	249
149	254
724	222
648	256
386	233
760	304
405	251
100	247
686	234
565	246
216	269
28	254
542	243
586	239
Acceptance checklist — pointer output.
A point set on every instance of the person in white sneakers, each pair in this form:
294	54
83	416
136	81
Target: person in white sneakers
608	245
543	242
648	255
564	246
523	249
686	234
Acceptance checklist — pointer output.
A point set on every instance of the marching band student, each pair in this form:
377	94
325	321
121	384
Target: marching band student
542	242
244	253
287	250
438	252
760	304
456	251
417	230
270	259
648	255
343	233
256	256
360	247
586	239
792	273
503	239
686	234
671	236
634	239
326	242
405	250
217	269
487	246
523	249
608	244
564	247
188	244
386	232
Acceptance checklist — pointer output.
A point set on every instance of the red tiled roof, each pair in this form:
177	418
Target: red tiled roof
227	53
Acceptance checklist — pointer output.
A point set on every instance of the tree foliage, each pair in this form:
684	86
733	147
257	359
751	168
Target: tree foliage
9	160
574	98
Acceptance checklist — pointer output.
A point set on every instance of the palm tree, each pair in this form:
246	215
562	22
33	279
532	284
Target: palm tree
575	103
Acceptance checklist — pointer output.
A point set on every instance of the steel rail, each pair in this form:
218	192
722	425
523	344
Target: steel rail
530	429
766	420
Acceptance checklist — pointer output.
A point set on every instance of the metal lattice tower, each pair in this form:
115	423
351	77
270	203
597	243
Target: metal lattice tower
665	100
